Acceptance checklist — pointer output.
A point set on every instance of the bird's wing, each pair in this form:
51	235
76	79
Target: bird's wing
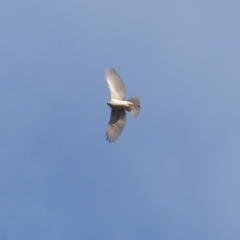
116	124
115	84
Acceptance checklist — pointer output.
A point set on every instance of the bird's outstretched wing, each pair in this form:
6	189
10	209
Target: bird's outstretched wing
115	84
116	124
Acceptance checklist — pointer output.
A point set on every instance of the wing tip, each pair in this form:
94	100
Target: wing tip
110	140
109	71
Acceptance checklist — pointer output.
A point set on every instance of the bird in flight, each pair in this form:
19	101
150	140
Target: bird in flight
118	105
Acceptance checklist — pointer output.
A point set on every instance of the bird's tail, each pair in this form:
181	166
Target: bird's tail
135	109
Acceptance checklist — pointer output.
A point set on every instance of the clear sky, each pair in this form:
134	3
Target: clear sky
174	173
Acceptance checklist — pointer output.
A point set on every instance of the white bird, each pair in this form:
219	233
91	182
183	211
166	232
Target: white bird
118	105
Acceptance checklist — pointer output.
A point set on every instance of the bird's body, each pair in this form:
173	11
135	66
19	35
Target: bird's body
118	105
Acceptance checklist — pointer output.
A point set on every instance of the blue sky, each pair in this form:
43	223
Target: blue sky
174	171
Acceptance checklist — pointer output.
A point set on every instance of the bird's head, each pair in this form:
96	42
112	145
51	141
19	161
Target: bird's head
109	104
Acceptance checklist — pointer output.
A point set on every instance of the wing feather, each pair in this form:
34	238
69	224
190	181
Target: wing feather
116	124
115	84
